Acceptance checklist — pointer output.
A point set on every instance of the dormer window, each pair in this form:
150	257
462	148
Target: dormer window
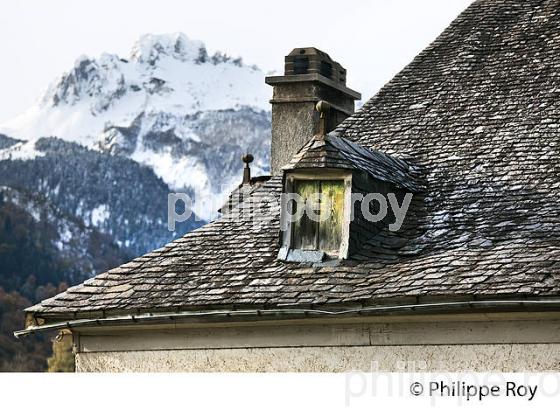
323	231
315	220
335	197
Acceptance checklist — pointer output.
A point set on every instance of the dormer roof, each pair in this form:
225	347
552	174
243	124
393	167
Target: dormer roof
336	152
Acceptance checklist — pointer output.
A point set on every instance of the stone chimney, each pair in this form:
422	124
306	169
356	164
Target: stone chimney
310	75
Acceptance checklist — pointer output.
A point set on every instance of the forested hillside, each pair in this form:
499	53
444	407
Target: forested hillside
36	262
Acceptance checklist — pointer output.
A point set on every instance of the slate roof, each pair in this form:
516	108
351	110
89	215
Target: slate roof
479	113
340	153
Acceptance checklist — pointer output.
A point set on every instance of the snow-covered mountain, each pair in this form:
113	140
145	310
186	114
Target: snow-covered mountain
169	105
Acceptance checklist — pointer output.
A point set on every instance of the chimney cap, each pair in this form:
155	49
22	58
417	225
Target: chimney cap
309	51
308	60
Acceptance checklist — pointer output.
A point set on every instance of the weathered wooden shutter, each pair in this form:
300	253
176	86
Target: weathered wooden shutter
325	235
330	230
305	230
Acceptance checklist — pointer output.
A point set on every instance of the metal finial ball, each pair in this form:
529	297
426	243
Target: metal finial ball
323	107
247	158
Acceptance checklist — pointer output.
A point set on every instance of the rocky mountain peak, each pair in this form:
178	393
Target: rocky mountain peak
171	107
168	67
151	47
88	78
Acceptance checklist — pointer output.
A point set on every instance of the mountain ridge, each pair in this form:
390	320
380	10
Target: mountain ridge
169	106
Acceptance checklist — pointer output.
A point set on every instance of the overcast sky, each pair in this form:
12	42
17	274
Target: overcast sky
372	39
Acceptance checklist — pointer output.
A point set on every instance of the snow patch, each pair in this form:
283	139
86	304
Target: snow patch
99	215
65	236
177	45
23	151
187	173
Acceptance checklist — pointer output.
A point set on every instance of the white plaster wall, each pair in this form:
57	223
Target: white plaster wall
437	344
501	357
